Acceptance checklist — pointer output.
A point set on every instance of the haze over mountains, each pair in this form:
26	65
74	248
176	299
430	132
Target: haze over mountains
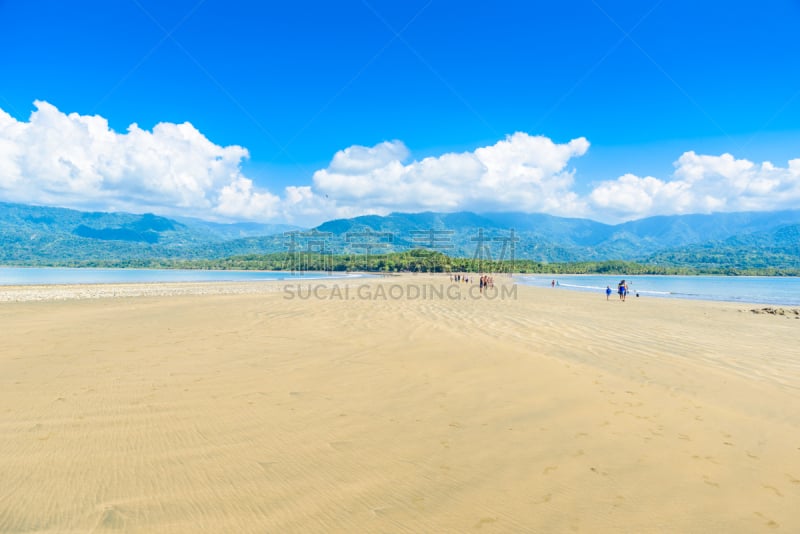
36	235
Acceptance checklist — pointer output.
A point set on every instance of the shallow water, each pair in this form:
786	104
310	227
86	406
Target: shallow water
25	276
784	291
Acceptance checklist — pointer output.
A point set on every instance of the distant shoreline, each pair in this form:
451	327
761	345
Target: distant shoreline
305	285
427	260
645	271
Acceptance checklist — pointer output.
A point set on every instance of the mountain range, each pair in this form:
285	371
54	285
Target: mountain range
38	235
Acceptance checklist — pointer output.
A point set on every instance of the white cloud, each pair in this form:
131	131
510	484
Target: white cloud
240	200
630	196
77	161
700	184
521	173
360	159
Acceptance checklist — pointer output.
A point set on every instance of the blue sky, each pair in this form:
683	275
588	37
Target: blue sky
308	110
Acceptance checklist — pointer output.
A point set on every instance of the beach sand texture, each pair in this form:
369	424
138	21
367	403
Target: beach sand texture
554	411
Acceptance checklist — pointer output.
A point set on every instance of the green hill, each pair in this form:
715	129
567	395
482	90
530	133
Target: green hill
38	235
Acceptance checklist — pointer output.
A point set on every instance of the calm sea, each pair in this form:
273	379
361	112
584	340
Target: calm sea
25	276
783	291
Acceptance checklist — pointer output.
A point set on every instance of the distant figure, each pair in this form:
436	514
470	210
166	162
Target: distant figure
553	283
608	292
622	289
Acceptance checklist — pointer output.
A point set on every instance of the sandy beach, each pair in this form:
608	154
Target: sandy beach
393	405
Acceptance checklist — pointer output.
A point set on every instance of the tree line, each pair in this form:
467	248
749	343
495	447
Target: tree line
417	261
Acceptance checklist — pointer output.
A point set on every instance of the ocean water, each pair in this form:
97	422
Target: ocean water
781	291
25	276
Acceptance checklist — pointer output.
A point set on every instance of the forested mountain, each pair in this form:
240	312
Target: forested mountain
555	239
36	235
771	250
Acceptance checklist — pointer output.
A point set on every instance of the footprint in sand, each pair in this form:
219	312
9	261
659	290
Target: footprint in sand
549	469
706	458
112	518
266	466
381	511
769	522
773	489
485	521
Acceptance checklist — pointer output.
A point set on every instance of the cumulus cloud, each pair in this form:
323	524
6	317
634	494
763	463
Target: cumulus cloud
521	172
701	184
77	161
360	159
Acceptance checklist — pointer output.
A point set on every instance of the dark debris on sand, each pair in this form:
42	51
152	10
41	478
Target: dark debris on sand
786	312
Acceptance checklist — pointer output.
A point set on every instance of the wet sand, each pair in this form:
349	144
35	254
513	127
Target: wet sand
266	408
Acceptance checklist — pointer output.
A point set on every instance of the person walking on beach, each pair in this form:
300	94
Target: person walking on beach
622	290
608	292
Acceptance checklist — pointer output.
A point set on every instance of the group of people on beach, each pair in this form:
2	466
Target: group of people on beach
622	290
486	282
